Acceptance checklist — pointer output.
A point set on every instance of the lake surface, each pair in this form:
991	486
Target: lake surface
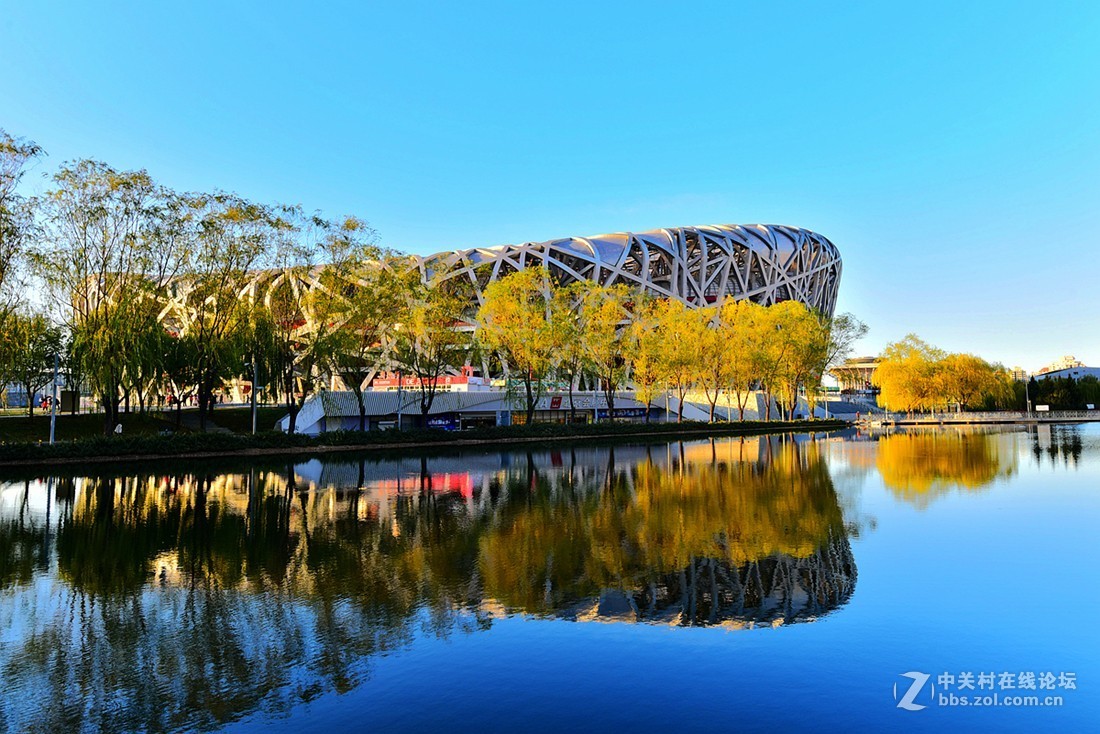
763	584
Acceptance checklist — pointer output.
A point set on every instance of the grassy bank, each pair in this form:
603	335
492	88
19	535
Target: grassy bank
138	447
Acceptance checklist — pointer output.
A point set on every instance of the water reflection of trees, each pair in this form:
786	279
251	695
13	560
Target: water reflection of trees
185	602
919	466
1056	444
690	543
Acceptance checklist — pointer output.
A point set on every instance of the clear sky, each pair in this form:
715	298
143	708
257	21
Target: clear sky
950	150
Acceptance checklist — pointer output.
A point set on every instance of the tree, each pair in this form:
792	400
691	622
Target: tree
775	340
803	339
31	347
843	331
94	257
16	212
431	338
739	326
906	375
180	364
713	361
228	239
603	311
375	296
566	333
515	323
965	380
143	368
646	351
680	330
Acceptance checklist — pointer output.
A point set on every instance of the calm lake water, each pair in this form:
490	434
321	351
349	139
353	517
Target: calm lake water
768	584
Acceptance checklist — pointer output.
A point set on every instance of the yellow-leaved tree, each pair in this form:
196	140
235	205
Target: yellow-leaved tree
515	323
646	351
907	376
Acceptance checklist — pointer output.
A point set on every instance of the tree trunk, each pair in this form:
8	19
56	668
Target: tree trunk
202	405
530	400
110	414
572	407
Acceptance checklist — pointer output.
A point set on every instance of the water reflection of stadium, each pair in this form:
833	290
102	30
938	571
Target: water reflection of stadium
294	578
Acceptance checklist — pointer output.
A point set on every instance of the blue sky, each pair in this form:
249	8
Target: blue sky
950	150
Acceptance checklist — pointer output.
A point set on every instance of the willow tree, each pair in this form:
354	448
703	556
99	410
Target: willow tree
98	263
228	239
803	339
967	381
515	322
907	375
308	298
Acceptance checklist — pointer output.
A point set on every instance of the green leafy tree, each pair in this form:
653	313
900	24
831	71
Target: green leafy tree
228	239
96	262
16	212
31	347
433	339
375	297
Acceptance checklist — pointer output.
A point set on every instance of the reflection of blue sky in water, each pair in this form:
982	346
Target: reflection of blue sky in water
390	600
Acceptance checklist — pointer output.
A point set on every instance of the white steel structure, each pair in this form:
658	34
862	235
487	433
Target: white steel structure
766	263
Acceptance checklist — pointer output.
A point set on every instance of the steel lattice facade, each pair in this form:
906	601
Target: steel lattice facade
697	265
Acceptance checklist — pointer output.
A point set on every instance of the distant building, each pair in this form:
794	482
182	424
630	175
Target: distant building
855	374
1067	362
1018	373
1075	373
465	381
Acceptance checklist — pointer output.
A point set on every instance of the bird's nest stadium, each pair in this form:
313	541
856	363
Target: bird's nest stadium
699	266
